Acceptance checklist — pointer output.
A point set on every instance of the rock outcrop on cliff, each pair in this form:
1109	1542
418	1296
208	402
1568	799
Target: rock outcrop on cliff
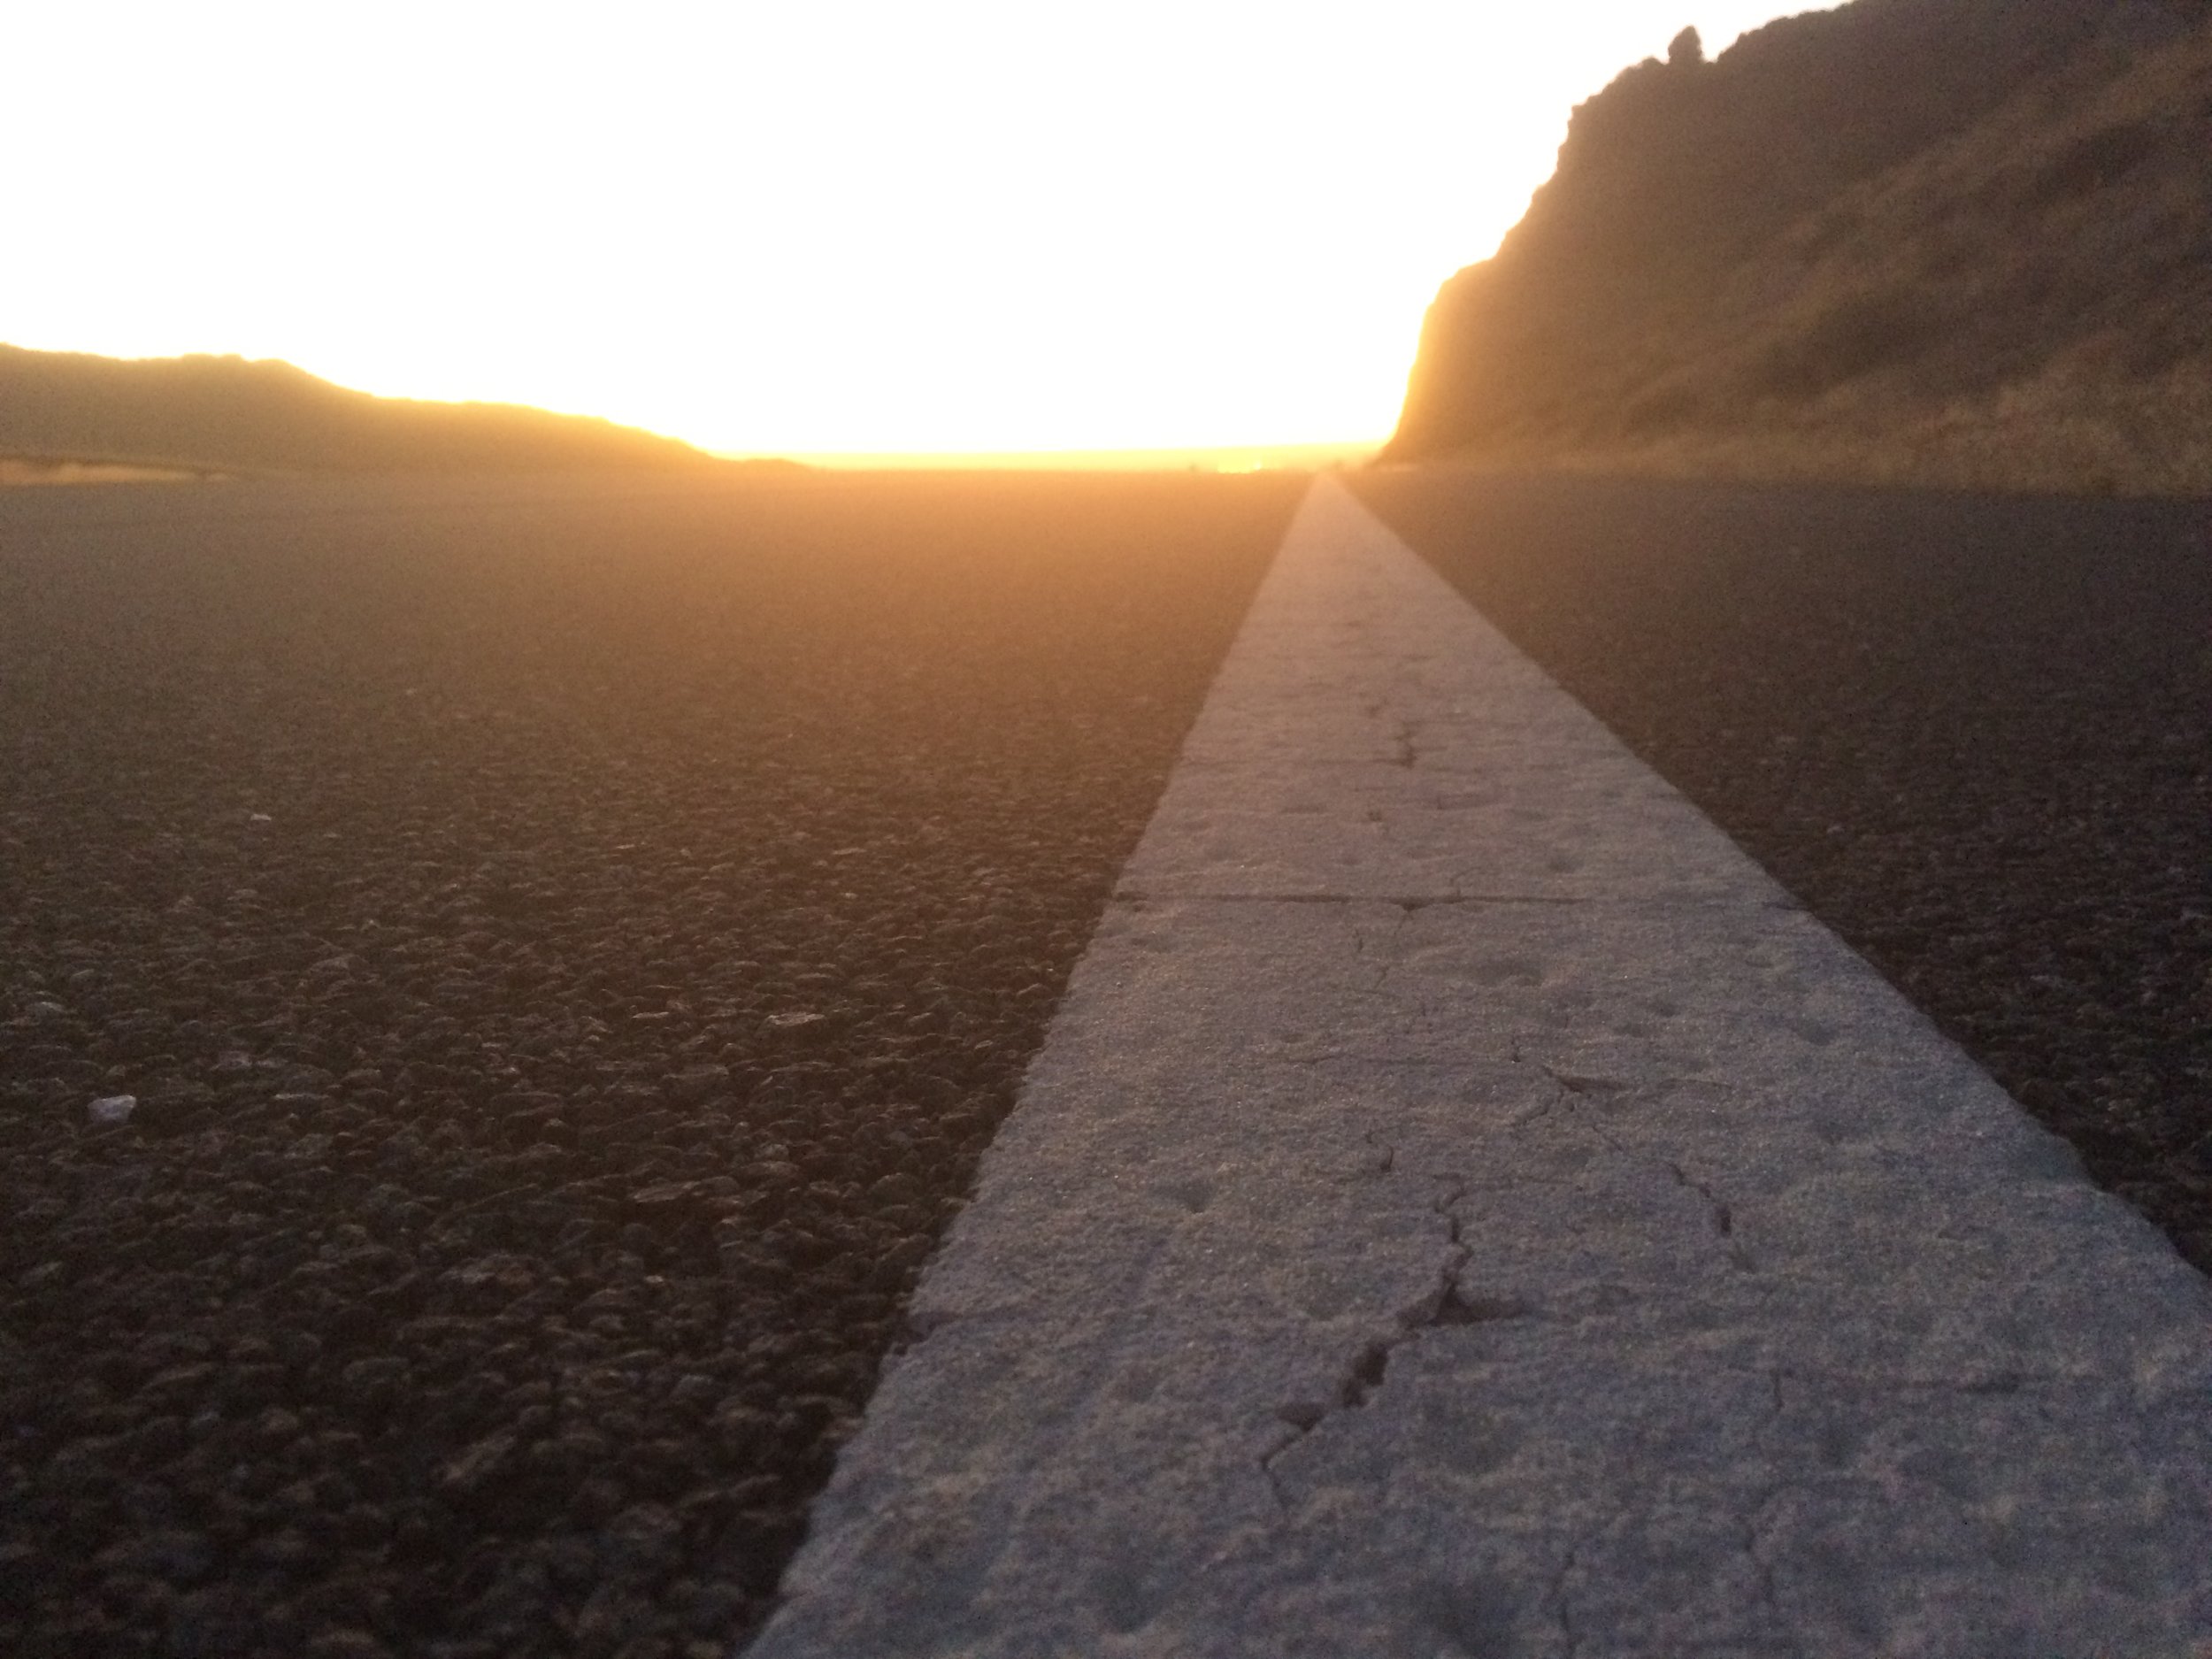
1959	239
230	414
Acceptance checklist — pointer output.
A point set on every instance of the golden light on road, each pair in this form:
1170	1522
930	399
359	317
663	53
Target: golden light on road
799	229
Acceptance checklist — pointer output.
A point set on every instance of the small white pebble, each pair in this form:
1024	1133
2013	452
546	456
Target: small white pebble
112	1109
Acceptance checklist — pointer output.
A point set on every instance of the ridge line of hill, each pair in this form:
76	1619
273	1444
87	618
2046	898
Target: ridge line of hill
201	414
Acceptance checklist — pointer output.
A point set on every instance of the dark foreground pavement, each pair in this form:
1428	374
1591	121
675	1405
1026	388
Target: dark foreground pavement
1973	734
568	945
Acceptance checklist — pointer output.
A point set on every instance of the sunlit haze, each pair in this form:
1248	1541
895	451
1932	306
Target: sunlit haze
803	227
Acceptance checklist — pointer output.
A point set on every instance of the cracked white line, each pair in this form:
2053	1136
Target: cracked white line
1512	1226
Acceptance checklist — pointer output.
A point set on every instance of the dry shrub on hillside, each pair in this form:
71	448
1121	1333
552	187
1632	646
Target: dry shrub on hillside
1888	329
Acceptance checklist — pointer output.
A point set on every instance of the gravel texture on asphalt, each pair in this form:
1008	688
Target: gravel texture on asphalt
566	948
1972	735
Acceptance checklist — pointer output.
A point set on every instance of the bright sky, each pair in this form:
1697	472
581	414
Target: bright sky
802	227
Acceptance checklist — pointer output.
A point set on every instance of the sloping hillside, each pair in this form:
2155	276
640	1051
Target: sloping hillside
1961	241
229	414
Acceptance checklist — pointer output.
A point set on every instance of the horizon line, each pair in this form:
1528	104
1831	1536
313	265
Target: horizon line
1217	456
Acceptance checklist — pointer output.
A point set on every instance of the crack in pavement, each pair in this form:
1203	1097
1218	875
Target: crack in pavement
1719	1214
1722	1218
1389	943
1755	1548
1564	1603
1448	1304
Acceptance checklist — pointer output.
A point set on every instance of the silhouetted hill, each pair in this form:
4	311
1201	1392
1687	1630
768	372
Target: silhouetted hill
1963	240
227	413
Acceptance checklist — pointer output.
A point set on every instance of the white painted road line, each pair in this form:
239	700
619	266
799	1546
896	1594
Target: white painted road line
1463	1207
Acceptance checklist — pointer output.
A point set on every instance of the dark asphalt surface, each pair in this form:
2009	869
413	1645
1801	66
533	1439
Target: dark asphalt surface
1973	734
568	945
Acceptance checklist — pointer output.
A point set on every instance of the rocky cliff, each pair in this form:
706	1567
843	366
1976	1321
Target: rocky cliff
1964	241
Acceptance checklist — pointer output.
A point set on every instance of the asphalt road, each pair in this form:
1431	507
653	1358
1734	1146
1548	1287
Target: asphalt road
1973	734
1464	1206
567	946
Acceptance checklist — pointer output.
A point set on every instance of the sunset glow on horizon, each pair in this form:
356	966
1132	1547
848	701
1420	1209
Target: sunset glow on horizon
804	230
